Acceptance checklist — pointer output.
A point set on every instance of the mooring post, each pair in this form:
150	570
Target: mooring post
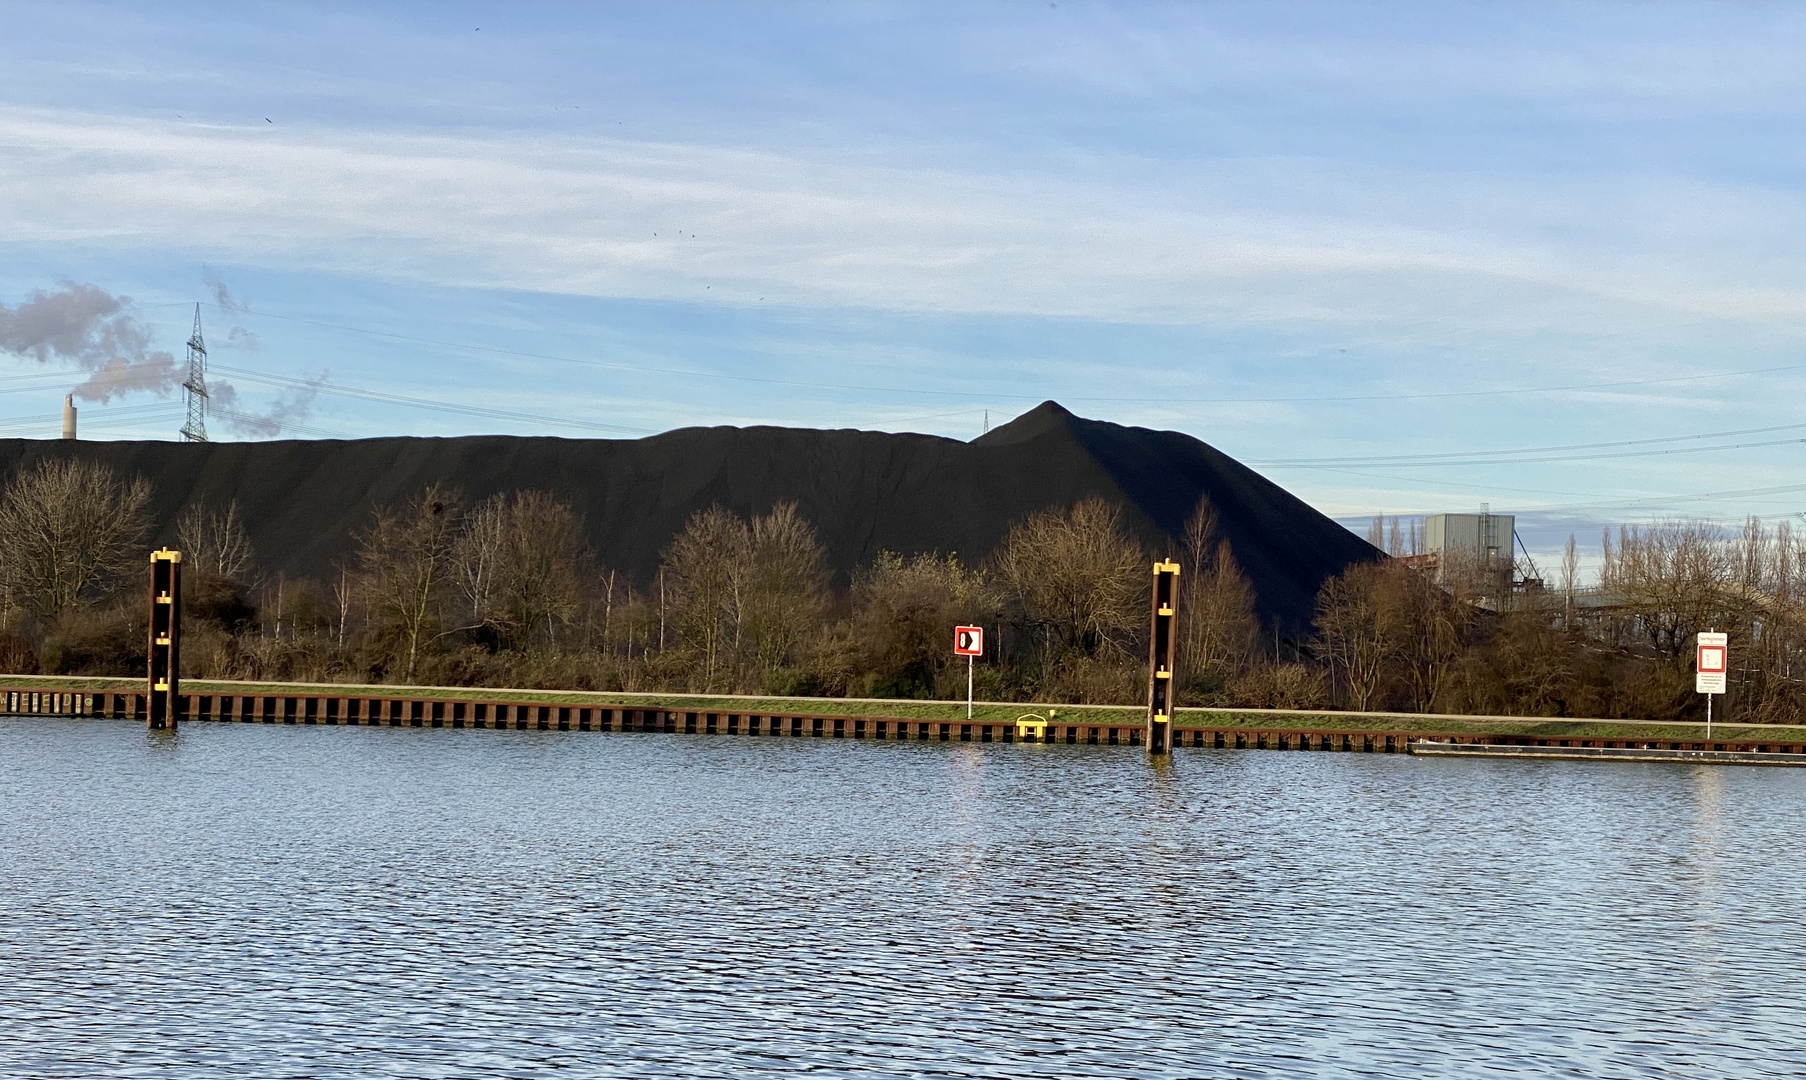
1162	637
165	639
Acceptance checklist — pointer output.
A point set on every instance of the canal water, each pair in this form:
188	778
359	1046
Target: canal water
243	900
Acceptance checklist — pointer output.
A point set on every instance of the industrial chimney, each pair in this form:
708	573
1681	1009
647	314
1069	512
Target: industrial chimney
69	416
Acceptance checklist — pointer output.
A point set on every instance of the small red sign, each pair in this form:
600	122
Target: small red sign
969	640
1712	659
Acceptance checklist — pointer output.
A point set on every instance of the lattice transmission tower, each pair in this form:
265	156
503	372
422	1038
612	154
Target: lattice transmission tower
194	391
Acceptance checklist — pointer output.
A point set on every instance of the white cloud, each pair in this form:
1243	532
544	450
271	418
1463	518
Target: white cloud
1243	241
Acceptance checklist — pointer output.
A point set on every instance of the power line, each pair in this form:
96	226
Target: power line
40	381
283	426
90	418
1457	456
1397	464
1667	500
48	373
975	395
322	387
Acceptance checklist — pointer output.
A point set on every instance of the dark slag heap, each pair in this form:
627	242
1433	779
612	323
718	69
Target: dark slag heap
864	491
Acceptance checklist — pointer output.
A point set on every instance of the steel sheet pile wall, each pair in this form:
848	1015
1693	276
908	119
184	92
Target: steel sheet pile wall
384	711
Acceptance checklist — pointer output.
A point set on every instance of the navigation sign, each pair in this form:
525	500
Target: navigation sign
969	641
1710	664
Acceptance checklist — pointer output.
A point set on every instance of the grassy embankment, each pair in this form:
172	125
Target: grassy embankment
991	712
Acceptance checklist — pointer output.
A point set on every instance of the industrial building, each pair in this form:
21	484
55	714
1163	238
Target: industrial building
1480	550
1484	540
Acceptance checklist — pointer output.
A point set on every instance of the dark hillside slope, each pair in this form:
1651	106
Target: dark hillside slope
865	491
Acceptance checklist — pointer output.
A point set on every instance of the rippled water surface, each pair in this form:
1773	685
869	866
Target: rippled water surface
329	902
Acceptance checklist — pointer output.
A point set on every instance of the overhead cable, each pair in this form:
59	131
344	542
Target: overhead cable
985	394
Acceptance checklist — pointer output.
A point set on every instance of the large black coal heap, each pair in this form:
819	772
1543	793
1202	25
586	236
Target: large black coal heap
865	491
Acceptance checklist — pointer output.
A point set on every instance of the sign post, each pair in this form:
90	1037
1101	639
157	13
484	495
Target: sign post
1711	660
969	642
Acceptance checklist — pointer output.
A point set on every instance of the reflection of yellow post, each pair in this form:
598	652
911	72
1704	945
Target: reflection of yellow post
165	638
1161	642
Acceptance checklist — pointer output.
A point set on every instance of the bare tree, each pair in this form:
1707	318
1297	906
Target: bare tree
608	613
543	560
1424	629
903	611
1078	577
787	590
708	566
214	541
1351	625
405	567
479	553
1673	579
70	530
1218	626
1570	576
1200	532
343	592
518	564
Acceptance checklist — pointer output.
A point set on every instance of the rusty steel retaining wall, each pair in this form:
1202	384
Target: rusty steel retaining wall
382	711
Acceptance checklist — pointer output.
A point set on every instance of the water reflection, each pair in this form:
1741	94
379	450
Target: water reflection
249	900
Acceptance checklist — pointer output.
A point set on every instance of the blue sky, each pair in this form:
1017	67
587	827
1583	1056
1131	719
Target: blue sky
1332	240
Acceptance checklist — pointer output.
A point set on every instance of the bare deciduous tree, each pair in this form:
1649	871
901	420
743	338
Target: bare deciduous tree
1351	625
71	531
787	590
1672	579
479	553
518	562
1218	626
543	564
903	611
1570	578
214	541
1425	628
405	566
1079	578
708	565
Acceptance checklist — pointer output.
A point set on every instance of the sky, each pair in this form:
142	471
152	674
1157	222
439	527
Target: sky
1401	258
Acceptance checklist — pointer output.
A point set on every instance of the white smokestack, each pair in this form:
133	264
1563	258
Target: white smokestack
69	417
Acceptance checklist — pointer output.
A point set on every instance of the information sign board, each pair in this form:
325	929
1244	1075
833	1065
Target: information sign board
1711	661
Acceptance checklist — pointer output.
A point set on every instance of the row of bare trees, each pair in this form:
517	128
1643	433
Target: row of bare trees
1620	648
506	591
510	572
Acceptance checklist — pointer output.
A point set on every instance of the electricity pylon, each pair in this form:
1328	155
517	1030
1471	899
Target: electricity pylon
195	389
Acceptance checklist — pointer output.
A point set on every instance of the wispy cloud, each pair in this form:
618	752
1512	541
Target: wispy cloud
1251	241
1367	218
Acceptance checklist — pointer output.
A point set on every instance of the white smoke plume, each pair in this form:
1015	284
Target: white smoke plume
237	337
292	408
95	331
240	338
222	296
100	333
